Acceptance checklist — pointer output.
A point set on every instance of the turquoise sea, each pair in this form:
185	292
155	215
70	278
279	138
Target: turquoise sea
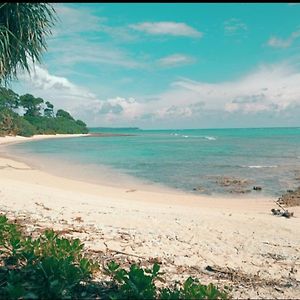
182	159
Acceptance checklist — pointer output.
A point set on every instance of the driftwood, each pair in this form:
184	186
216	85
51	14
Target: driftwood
282	211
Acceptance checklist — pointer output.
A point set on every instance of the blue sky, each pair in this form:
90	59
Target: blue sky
173	65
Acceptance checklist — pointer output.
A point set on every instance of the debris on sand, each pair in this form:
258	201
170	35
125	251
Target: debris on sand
285	213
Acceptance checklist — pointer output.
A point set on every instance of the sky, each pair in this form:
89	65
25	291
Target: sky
159	66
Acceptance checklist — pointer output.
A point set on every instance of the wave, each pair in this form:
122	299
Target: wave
206	137
210	138
260	167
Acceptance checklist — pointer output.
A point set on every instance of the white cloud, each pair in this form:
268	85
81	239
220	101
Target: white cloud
167	28
72	20
175	60
283	43
271	90
58	90
72	42
234	26
85	51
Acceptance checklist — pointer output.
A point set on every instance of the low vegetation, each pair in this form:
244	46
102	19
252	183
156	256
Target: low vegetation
27	115
53	267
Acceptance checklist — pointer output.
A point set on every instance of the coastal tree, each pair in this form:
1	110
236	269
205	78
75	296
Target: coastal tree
31	104
8	99
48	111
23	31
63	114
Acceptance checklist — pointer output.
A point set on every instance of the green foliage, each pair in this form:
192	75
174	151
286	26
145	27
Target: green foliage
7	125
51	267
13	124
31	104
63	114
33	122
135	284
8	99
48	111
45	125
24	128
139	283
48	267
23	31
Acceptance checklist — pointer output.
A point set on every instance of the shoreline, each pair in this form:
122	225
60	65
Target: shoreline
6	140
113	177
184	231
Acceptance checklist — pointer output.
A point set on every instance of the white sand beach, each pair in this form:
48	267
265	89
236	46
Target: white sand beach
186	232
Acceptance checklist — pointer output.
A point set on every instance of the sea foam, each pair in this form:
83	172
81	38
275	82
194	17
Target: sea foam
259	167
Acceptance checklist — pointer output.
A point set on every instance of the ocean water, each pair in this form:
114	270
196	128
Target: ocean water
182	159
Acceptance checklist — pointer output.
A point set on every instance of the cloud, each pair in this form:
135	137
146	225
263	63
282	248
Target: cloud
81	37
283	43
175	60
234	26
167	28
270	90
58	90
78	100
97	54
73	20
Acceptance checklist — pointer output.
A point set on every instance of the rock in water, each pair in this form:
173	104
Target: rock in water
257	188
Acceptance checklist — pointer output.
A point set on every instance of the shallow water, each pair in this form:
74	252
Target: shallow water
180	159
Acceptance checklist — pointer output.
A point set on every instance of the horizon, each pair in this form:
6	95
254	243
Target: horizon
166	65
138	128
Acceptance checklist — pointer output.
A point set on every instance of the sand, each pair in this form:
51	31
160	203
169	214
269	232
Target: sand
185	232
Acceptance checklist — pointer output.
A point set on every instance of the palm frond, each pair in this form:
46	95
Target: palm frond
24	28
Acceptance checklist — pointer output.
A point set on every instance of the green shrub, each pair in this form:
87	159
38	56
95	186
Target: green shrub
139	283
51	267
7	122
135	284
47	267
24	128
60	125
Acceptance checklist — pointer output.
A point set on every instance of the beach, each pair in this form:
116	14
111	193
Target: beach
186	232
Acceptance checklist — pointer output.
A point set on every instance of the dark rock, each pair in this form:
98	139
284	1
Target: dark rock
199	189
257	188
232	181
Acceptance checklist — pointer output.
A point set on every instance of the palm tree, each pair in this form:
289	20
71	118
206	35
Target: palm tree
23	31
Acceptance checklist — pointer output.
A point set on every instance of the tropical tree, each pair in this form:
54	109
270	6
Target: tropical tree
23	31
63	114
48	111
8	99
31	104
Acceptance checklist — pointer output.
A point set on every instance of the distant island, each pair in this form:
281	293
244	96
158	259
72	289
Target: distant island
37	116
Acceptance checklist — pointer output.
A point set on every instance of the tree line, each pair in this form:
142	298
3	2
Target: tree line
27	115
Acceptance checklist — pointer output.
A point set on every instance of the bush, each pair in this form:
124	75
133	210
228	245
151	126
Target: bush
7	122
61	125
24	128
50	267
139	283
